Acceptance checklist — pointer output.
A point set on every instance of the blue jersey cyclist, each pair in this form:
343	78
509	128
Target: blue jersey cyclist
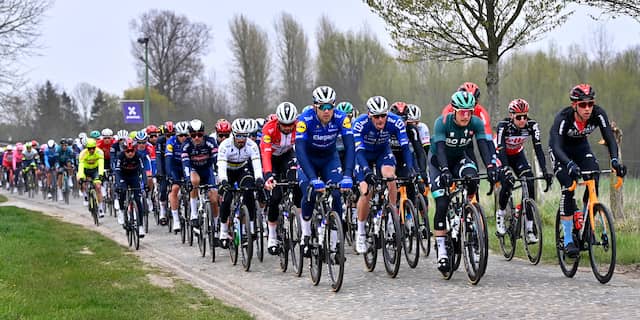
372	133
448	158
198	155
316	133
173	167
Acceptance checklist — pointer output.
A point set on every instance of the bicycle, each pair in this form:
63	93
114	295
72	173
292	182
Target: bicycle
516	224
30	184
92	196
410	235
131	219
465	219
109	199
326	231
350	217
204	232
258	229
382	230
422	207
183	207
597	231
288	230
238	226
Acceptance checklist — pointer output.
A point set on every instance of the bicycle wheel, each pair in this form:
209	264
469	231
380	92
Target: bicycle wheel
93	206
246	239
315	261
533	250
128	222
391	235
213	229
601	239
334	257
234	239
349	223
295	238
282	235
156	205
259	235
473	244
182	213
135	230
201	232
508	240
423	224
410	235
568	265
373	241
145	215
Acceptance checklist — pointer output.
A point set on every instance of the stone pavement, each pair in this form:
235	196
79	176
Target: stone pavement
508	289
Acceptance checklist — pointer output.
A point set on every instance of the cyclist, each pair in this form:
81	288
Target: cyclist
7	164
50	161
91	165
571	152
148	154
95	134
238	162
413	117
30	159
449	158
513	132
173	167
347	108
129	172
316	133
66	158
17	163
372	134
415	146
166	132
278	157
198	154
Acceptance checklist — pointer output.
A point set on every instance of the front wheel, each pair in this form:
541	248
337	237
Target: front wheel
601	240
373	241
246	241
568	265
410	235
423	224
533	249
508	240
295	238
259	234
334	241
391	234
474	246
315	261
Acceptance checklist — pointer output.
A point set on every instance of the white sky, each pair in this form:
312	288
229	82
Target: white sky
88	41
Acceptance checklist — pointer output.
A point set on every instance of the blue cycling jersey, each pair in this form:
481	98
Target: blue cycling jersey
369	139
199	156
50	157
64	156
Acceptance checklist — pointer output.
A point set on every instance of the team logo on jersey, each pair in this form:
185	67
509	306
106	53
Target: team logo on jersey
346	123
170	147
266	139
301	127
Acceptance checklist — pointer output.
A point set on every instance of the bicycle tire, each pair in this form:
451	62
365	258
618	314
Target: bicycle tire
533	250
568	265
136	230
259	235
295	240
422	208
182	214
508	240
233	246
145	215
245	237
410	235
282	234
391	241
351	225
335	264
474	244
315	261
213	228
373	240
93	206
203	222
604	236
128	221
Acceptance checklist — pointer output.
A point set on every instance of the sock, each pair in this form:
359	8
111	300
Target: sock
442	249
163	208
272	231
306	227
174	213
215	221
333	239
568	228
500	213
529	225
224	229
194	208
361	228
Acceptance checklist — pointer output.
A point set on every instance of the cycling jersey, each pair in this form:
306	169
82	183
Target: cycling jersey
454	139
50	157
105	147
511	140
478	111
232	158
173	158
368	139
129	167
89	160
425	137
64	156
160	146
274	143
198	156
29	157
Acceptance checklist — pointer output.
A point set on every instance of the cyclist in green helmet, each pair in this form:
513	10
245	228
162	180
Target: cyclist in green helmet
132	134
95	134
346	107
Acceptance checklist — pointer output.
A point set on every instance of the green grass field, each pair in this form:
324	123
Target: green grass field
54	270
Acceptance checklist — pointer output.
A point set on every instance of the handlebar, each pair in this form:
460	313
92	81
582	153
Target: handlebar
575	183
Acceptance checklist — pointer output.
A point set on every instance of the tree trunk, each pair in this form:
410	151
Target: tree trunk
493	91
616	197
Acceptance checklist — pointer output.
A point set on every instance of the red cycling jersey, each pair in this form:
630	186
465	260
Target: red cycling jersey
480	112
274	143
106	148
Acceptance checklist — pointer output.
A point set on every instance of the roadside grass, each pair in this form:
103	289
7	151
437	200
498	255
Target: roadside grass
54	270
3	198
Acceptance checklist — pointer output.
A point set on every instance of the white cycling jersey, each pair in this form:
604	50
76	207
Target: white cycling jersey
423	130
232	158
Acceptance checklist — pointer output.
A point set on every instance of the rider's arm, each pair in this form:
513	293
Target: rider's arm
266	150
116	170
100	162
301	150
222	162
186	160
487	153
403	139
255	161
558	130
502	141
358	141
420	154
605	130
534	131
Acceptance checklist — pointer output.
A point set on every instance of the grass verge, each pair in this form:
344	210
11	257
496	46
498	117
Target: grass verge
3	198
54	270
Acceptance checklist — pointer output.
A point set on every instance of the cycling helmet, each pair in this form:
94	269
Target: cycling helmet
91	143
123	134
83	141
51	143
82	135
141	136
324	94
132	134
286	113
413	112
95	134
169	127
399	108
345	107
19	146
518	106
223	126
306	108
28	145
253	126
63	141
43	147
463	100
377	105
9	147
261	122
76	141
162	129
182	128
582	92
129	144
152	129
196	125
241	126
34	143
106	132
69	141
472	88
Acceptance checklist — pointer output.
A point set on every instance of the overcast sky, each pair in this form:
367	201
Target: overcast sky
88	41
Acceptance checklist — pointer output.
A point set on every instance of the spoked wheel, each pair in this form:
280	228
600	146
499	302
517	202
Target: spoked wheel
391	235
373	243
156	206
295	238
568	265
128	223
259	236
182	213
534	249
145	216
315	265
282	235
349	223
410	235
246	241
423	224
234	240
508	240
202	232
135	233
334	241
601	240
474	246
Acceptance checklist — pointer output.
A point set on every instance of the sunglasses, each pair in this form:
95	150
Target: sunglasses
153	136
378	116
287	125
197	134
241	136
183	135
141	142
92	148
223	135
129	151
326	106
464	112
521	117
585	104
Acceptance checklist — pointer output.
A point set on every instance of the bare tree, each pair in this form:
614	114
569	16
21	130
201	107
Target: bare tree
208	100
615	8
601	44
294	60
176	47
19	29
84	94
251	65
459	29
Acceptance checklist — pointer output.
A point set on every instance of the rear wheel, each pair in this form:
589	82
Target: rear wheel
246	240
391	235
315	266
410	235
508	240
234	240
282	234
601	240
259	235
423	224
568	265
373	241
201	232
533	250
295	238
451	255
93	206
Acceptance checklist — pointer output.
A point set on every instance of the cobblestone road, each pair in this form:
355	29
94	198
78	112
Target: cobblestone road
509	289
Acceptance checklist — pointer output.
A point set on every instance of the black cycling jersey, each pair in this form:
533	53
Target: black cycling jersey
511	140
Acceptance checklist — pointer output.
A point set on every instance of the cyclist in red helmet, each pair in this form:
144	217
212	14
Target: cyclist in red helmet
223	130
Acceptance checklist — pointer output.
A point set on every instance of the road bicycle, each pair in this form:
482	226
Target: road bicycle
288	230
131	225
240	235
204	230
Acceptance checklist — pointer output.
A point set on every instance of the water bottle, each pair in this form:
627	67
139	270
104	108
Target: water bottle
578	220
518	211
321	231
236	226
376	221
